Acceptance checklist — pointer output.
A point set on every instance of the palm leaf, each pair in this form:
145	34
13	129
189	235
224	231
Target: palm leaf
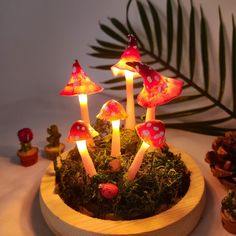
146	24
119	26
233	66
130	26
106	50
179	37
204	50
115	80
192	42
157	27
112	33
221	58
184	113
185	98
169	30
102	67
110	45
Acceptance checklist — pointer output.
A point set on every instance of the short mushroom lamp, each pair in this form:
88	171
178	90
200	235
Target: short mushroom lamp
113	111
152	134
157	89
80	133
130	54
81	85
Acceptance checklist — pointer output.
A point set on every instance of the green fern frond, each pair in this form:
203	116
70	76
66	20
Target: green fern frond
152	26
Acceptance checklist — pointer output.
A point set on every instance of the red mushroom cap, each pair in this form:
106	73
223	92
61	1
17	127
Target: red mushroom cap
108	190
79	131
130	54
112	110
79	83
152	132
158	89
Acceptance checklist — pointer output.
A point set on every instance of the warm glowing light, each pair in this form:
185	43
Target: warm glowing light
138	159
129	75
130	121
83	100
116	125
115	144
115	71
86	159
81	145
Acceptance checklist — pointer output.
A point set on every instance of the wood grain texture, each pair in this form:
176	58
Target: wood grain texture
178	220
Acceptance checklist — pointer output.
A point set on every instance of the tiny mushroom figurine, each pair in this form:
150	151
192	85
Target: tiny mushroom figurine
152	134
79	133
108	190
157	89
130	54
113	111
28	155
81	85
54	147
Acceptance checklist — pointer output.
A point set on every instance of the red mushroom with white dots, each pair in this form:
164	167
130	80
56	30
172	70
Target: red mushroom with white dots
152	134
80	133
130	54
113	111
157	89
81	85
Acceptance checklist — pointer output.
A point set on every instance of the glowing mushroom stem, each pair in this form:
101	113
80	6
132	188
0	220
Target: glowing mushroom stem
115	144
83	100
151	114
86	159
130	121
138	159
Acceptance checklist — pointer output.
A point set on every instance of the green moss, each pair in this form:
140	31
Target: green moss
229	203
161	181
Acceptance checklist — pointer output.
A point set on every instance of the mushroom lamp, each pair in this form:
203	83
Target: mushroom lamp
157	89
152	134
80	133
113	111
81	85
130	54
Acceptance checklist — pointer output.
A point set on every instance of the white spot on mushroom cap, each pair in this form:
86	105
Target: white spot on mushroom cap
156	128
149	79
145	132
156	136
161	133
149	124
74	69
134	47
78	127
156	78
137	67
83	128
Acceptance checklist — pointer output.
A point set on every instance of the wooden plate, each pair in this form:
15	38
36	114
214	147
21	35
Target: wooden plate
178	220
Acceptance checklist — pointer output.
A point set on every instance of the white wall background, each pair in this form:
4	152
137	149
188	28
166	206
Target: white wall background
40	39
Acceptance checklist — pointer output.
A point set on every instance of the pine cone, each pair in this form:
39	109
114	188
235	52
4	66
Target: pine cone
222	159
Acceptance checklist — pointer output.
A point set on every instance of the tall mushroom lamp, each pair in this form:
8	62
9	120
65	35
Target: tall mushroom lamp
152	134
130	54
113	111
81	85
157	89
80	133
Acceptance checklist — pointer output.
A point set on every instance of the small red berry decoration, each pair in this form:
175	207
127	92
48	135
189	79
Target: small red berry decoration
25	135
28	155
108	190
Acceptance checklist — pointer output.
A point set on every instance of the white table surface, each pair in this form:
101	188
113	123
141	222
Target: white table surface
19	186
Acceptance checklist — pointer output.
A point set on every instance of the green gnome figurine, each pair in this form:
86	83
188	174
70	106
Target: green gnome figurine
54	146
